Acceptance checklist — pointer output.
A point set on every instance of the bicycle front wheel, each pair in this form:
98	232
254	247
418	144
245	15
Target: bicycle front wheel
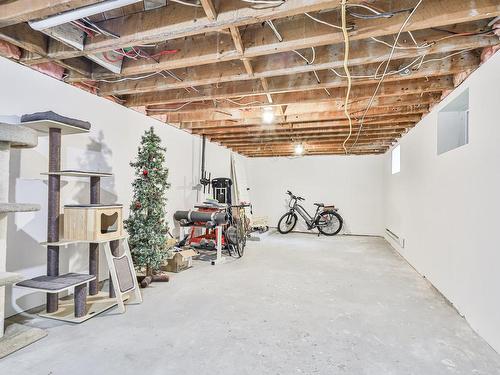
287	223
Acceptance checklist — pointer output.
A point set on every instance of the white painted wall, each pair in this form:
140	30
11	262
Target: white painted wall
111	144
354	184
447	207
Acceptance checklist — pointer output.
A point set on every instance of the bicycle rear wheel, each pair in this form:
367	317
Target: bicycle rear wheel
329	223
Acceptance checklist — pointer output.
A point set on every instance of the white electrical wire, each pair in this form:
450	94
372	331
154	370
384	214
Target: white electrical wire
128	78
275	30
370	103
168	109
348	74
187	3
425	45
272	2
243	104
304	58
323	22
102	31
364	7
375	75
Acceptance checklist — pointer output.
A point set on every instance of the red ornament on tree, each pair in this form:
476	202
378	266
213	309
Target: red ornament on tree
145	172
138	205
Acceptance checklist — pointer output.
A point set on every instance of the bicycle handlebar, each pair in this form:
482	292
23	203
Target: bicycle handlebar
294	196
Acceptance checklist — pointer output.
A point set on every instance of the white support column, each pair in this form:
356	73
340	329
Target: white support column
4	197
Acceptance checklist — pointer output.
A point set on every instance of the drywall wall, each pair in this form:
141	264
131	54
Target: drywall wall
111	144
353	184
446	207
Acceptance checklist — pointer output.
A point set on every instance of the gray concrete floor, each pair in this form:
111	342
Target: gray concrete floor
295	304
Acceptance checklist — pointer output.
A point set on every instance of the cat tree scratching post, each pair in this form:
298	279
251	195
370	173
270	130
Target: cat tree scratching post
54	201
15	336
95	198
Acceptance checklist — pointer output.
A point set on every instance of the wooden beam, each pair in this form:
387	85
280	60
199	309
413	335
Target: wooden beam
323	110
177	22
238	43
203	51
326	133
374	124
307	118
208	93
248	67
265	87
289	145
269	154
439	64
17	11
24	37
209	8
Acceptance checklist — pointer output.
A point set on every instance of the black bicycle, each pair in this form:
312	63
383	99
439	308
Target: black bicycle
326	219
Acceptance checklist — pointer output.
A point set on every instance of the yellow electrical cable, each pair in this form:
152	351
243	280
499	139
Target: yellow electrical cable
347	73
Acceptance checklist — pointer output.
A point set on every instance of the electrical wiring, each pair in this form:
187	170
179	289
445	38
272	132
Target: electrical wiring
376	14
168	109
445	57
275	30
348	74
375	75
370	103
243	104
324	22
280	39
102	31
304	58
426	45
316	75
187	3
274	2
412	38
88	31
265	4
128	78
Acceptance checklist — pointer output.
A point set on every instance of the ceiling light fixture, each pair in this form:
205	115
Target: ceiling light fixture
78	13
299	149
267	115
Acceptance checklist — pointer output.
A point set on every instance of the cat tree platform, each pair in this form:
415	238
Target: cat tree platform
18	207
8	278
56	284
75	173
14	336
43	126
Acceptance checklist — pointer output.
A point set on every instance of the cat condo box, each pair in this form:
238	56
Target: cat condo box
93	222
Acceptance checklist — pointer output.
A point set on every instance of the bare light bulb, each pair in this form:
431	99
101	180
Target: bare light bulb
267	115
299	149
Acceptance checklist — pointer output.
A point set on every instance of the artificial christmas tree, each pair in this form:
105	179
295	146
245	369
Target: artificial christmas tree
147	224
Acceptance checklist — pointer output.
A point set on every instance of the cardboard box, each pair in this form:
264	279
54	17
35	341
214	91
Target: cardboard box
182	260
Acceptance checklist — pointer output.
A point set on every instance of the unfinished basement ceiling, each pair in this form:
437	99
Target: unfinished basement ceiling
261	77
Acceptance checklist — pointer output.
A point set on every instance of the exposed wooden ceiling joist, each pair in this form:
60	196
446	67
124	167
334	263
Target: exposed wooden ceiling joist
216	67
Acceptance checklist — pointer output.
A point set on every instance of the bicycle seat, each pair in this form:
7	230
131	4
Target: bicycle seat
319	204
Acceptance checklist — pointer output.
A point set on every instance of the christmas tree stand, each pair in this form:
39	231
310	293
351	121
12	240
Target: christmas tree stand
15	336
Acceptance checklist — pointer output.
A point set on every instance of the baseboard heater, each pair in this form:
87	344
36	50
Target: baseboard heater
395	237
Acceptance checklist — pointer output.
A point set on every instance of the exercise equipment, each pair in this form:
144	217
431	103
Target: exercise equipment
221	188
